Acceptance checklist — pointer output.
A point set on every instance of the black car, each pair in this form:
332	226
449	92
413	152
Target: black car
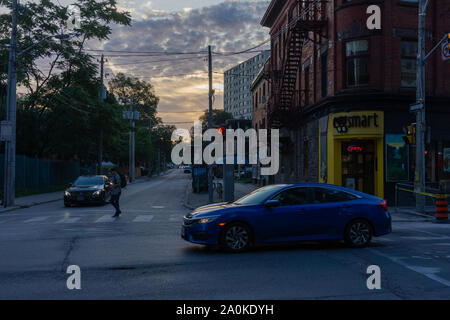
88	189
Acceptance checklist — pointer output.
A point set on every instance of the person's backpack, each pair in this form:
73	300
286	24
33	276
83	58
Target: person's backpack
123	180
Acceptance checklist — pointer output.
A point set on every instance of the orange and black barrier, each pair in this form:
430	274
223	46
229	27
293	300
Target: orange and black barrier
441	207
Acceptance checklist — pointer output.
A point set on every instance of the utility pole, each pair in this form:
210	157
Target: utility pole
419	179
10	146
210	121
132	145
150	137
100	144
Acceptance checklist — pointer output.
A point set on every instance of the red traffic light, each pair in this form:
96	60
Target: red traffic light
221	130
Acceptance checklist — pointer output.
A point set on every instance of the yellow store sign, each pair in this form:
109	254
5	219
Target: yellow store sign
356	123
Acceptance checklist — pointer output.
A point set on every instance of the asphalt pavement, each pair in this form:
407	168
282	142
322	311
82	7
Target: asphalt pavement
141	256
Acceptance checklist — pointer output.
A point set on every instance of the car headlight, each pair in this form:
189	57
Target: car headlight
67	193
207	220
97	193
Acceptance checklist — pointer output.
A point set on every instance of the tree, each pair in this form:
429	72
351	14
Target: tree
218	116
60	114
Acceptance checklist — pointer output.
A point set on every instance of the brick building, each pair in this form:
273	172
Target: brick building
260	89
341	92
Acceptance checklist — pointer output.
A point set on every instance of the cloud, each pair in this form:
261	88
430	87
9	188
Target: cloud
229	27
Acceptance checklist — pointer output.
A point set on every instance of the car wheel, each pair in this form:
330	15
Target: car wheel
236	237
358	233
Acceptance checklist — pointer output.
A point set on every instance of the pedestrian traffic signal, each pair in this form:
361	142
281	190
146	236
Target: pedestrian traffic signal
410	134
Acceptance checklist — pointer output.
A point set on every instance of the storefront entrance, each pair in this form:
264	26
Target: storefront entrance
358	165
352	150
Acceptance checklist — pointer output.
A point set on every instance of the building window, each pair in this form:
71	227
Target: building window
409	60
357	62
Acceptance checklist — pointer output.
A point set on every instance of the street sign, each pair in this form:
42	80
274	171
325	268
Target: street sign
415	107
131	115
5	130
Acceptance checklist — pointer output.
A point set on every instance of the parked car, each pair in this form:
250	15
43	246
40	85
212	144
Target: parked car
88	189
187	169
286	213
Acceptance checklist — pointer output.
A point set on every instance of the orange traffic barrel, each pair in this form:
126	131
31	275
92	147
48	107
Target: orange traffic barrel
441	207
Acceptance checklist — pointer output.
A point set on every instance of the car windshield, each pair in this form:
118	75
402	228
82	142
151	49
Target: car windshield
88	181
257	196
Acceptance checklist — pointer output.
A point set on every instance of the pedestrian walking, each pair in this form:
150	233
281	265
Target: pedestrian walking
116	191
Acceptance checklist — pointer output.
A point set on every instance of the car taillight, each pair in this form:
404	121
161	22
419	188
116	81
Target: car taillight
383	205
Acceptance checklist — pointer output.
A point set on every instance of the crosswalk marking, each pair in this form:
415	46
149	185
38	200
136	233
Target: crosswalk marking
37	219
68	220
143	218
106	218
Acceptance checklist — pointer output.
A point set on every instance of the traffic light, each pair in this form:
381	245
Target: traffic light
410	134
448	40
222	130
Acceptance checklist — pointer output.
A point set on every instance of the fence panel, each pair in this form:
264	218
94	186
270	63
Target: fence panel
35	175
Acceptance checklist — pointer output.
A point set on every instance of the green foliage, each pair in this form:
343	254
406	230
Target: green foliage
60	115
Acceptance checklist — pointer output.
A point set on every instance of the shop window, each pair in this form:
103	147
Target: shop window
357	62
409	60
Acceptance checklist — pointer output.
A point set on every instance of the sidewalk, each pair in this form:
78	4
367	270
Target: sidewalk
36	199
195	200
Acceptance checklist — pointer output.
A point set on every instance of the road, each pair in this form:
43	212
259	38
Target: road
141	256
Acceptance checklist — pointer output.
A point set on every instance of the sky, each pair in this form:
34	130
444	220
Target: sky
184	26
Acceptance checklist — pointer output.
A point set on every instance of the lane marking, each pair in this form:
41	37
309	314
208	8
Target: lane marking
37	219
424	238
428	272
158	207
143	218
68	220
105	218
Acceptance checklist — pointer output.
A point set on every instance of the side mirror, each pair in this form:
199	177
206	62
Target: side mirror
272	203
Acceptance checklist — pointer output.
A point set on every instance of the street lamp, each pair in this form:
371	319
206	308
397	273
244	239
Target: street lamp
10	123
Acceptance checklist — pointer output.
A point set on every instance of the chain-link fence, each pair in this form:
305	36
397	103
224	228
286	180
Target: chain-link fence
35	175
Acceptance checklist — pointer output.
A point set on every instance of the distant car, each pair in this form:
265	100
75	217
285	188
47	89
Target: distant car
187	169
88	189
286	213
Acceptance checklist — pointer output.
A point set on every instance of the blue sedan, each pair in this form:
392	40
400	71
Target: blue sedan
287	213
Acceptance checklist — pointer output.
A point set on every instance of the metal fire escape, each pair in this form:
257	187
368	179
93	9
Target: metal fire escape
311	18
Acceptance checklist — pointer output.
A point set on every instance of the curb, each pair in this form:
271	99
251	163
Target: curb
24	206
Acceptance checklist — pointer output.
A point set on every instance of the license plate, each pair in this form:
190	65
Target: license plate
80	198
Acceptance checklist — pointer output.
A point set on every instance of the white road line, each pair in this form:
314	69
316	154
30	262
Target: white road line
425	238
37	219
158	207
68	220
428	272
143	218
106	218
